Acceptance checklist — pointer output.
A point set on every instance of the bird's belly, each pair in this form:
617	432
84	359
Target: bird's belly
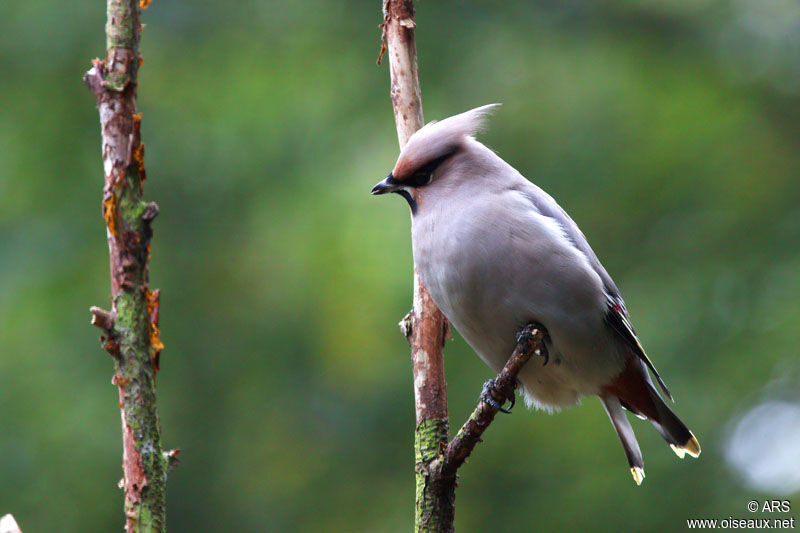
489	295
577	364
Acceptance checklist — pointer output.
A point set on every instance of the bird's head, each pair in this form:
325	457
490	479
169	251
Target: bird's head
427	150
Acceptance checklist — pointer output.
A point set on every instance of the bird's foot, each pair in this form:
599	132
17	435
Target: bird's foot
488	394
525	335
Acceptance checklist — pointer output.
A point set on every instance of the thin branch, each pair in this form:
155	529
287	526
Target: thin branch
425	326
529	342
398	33
101	318
131	327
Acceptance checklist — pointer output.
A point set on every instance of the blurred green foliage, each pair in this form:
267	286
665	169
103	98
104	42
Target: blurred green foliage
668	129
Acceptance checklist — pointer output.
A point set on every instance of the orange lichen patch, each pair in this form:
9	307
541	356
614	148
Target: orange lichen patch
152	301
110	212
138	154
157	345
155	341
144	3
138	157
137	126
111	346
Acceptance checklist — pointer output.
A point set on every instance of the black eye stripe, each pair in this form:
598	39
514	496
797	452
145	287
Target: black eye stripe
424	174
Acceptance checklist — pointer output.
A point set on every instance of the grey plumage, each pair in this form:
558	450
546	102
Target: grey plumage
497	252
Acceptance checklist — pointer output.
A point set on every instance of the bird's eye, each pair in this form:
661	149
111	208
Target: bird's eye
424	174
421	178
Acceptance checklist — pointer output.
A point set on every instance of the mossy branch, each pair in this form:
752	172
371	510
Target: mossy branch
436	461
425	327
131	333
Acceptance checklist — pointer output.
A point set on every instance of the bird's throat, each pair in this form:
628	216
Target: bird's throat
410	199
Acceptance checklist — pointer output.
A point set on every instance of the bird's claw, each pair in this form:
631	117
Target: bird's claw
525	335
488	397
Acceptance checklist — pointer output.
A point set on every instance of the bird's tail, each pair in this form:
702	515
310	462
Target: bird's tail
626	436
633	389
674	431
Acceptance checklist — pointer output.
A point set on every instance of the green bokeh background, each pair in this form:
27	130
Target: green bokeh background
668	130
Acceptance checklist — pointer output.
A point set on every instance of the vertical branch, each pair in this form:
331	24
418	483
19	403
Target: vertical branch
131	327
398	26
425	327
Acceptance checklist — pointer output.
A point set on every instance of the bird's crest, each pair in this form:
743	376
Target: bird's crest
437	140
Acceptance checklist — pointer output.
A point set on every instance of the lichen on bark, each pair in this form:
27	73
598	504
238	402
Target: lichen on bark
435	496
130	329
425	327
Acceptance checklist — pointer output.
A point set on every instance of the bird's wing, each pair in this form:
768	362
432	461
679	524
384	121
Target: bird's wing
546	205
617	315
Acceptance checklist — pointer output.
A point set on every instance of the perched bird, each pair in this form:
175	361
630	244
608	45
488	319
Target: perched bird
496	252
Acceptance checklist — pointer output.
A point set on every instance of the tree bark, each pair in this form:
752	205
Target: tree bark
425	326
130	329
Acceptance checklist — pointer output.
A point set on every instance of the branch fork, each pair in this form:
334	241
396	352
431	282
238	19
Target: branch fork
529	343
425	327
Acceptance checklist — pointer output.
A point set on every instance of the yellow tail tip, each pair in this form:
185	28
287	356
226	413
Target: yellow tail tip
638	474
680	452
692	447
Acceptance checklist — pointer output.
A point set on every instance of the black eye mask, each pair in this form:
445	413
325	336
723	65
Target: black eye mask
420	178
424	174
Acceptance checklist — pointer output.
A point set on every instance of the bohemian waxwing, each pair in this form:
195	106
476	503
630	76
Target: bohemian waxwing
496	252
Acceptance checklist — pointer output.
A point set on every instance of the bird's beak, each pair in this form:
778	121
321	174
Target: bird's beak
387	185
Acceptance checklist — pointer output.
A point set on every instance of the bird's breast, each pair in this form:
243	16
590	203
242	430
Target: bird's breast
492	265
